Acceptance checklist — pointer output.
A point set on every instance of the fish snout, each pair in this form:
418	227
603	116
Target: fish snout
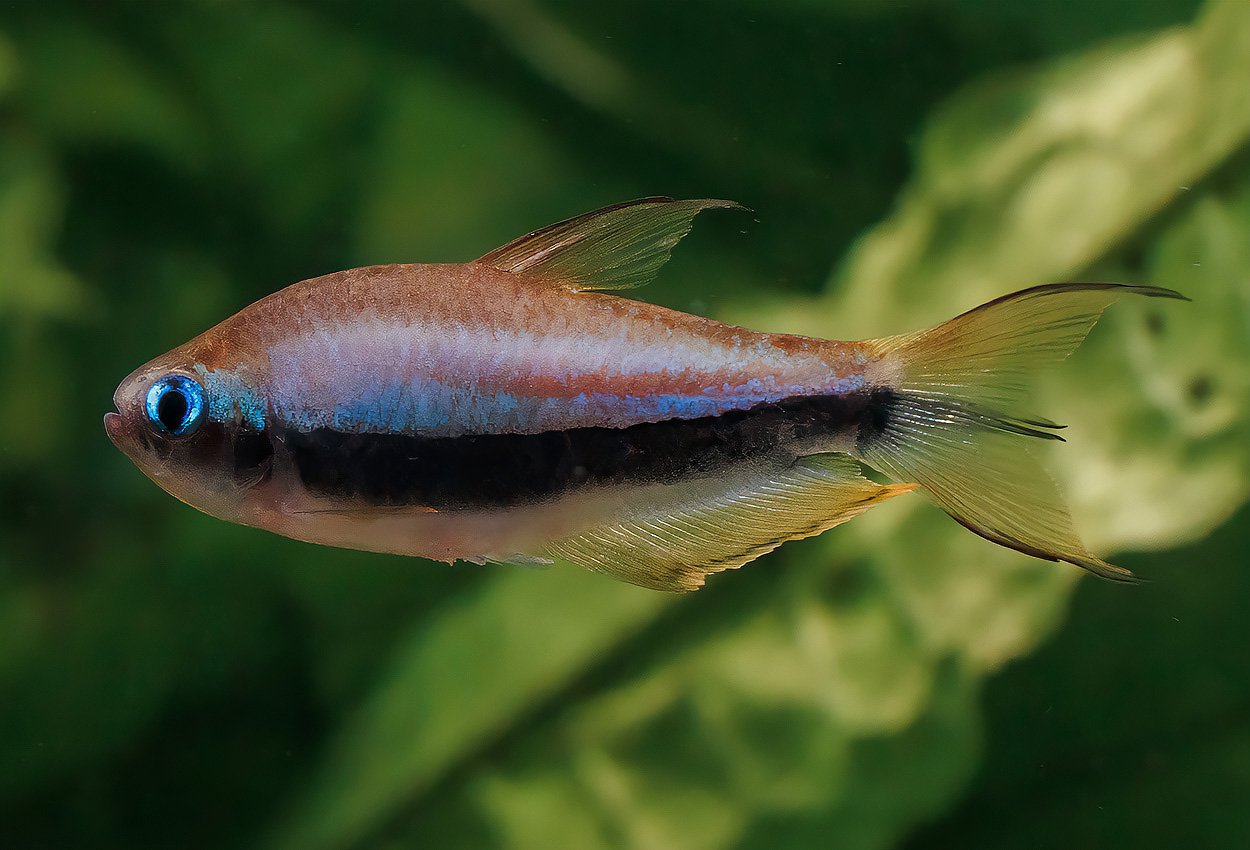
121	423
124	424
118	430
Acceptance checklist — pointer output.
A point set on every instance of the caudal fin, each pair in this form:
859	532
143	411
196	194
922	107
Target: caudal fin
958	420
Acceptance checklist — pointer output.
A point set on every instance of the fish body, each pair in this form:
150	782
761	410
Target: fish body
450	350
505	410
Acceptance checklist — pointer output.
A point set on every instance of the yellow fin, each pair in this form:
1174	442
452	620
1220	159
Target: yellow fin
671	537
617	247
986	358
956	416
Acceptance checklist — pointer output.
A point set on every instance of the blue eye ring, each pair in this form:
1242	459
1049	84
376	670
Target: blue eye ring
175	405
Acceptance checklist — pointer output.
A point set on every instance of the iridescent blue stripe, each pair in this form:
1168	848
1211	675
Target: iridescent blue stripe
231	398
433	408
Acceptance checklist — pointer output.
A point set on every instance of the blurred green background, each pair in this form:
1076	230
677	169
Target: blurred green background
167	680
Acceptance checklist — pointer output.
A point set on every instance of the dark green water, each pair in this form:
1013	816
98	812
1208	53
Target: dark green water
167	680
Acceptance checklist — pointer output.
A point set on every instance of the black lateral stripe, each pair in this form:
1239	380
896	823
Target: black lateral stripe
500	470
245	452
252	453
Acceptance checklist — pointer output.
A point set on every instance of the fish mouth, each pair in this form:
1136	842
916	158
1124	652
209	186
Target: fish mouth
116	428
116	425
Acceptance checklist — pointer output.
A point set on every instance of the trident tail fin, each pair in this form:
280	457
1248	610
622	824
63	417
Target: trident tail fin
958	423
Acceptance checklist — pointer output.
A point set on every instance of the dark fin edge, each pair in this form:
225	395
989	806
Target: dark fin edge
951	425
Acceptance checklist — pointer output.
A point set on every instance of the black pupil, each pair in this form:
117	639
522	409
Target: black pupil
172	409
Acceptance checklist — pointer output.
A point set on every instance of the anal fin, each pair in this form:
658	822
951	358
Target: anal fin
671	537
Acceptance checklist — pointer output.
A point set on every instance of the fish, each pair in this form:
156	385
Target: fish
519	409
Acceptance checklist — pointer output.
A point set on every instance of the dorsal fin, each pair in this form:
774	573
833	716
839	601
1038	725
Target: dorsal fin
617	247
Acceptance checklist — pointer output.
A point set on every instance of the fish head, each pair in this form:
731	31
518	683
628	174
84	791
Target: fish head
180	423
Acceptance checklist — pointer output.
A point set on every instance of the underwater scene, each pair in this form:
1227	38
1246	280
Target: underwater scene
348	503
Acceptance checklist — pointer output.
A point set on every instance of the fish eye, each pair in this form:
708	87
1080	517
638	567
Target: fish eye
175	405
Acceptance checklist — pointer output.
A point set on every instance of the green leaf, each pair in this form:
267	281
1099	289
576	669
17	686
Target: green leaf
456	682
828	690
